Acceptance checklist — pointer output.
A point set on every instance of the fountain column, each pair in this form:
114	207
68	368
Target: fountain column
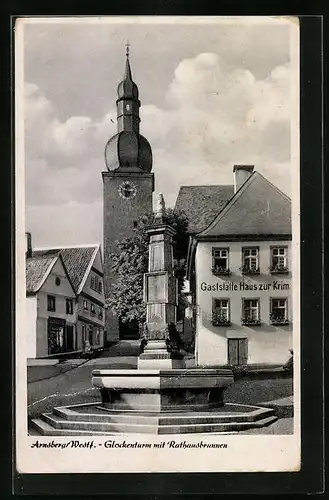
160	296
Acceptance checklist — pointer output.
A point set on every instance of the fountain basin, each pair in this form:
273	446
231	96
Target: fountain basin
182	389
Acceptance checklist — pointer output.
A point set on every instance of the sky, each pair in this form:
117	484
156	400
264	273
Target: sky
213	94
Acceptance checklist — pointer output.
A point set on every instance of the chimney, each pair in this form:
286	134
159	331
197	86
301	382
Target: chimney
28	245
241	174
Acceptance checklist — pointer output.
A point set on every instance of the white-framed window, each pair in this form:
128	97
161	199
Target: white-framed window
92	282
85	305
92	309
279	259
90	334
250	312
221	312
220	263
100	286
279	311
69	306
51	303
100	313
250	260
98	337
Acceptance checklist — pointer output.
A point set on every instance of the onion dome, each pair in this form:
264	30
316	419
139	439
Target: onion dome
128	151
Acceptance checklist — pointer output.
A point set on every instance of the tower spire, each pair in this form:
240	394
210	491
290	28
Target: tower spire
127	74
127	48
128	103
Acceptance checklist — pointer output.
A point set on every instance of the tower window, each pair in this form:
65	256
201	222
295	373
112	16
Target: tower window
128	107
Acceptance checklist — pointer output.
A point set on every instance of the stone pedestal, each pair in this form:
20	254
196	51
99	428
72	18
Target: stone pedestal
160	296
157	355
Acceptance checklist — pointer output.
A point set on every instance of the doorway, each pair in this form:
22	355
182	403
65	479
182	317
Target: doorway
55	334
129	330
69	338
237	351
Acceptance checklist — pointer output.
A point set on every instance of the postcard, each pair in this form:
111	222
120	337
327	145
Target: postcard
157	244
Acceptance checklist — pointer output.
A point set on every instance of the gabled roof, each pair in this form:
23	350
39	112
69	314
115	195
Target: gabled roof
257	208
77	262
202	203
38	268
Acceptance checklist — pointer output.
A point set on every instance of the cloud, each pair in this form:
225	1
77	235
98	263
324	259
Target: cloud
213	116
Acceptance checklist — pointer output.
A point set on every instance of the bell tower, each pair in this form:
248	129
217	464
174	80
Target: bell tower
128	184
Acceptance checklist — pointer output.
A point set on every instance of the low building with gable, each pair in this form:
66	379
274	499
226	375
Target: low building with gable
50	305
239	270
64	286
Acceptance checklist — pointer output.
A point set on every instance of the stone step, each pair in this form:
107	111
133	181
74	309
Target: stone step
61	423
42	428
122	427
108	415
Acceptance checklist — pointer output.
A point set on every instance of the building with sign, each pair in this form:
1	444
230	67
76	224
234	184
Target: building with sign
240	270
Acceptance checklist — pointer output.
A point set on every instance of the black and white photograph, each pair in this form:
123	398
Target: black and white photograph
157	222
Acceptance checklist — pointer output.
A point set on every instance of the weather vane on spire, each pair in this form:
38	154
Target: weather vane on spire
127	48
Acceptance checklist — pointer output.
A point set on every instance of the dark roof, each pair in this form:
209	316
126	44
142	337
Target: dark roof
36	268
258	208
201	204
76	261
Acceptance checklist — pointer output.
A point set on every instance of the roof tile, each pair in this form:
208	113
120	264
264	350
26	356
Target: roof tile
76	261
201	204
36	268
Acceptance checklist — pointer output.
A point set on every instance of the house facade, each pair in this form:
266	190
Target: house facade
50	307
90	302
65	294
239	271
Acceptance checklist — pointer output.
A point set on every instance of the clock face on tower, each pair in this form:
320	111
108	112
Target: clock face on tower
127	190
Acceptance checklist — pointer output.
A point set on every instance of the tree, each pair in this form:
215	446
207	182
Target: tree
131	262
